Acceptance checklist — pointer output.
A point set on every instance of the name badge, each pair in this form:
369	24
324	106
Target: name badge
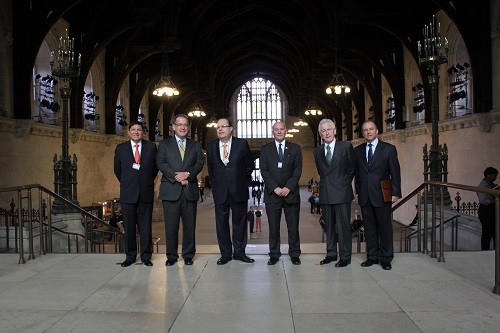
136	166
280	165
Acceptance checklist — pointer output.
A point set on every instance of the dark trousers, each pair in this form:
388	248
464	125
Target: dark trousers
378	232
273	211
231	246
172	213
338	229
486	215
137	218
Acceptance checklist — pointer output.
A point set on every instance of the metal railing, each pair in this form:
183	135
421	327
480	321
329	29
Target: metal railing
38	201
427	194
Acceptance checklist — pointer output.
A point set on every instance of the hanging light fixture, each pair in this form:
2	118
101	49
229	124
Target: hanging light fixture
300	123
165	86
313	109
211	124
338	83
196	111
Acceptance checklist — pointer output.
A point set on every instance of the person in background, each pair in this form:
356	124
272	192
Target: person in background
136	170
258	220
180	160
486	211
281	168
376	161
250	219
116	217
335	164
230	166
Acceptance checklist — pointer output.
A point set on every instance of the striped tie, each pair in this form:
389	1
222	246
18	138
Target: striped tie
181	148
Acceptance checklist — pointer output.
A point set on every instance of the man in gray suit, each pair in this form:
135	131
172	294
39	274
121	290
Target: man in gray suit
180	160
375	161
281	168
336	166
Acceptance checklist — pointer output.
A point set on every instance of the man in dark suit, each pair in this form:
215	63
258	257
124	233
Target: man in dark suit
135	168
230	165
180	160
375	161
281	168
335	164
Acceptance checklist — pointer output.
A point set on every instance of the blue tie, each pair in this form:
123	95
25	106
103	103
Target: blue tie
328	154
280	153
370	154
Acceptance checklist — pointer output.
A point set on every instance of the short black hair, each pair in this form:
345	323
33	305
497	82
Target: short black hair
490	171
135	122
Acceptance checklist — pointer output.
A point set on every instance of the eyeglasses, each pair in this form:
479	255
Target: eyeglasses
181	125
223	126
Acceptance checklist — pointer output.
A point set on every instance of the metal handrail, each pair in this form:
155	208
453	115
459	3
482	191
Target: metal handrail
441	186
88	220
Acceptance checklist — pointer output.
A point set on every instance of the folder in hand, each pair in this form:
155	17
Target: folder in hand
386	186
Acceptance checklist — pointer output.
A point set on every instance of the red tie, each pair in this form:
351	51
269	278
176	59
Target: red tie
137	156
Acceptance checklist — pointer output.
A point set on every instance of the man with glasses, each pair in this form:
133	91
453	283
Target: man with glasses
230	165
336	166
180	160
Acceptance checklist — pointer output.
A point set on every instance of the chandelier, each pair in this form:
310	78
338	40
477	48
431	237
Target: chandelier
197	112
211	124
313	109
300	123
293	130
337	83
165	87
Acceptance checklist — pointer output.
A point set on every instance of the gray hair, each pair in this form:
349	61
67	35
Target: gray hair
326	121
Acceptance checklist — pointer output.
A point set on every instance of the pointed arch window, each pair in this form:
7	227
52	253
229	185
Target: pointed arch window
258	106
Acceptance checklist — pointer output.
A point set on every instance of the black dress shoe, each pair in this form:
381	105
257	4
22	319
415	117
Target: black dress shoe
272	261
386	265
170	262
127	263
188	262
295	260
147	263
342	263
369	262
245	258
223	260
327	260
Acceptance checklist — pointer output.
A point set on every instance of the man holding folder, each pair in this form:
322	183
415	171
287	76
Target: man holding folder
377	171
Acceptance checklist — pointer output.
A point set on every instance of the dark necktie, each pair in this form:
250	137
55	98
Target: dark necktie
370	154
280	153
328	154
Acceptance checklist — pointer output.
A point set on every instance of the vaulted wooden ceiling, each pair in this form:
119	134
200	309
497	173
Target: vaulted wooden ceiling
217	45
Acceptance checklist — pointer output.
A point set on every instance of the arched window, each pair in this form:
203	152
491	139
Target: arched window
258	106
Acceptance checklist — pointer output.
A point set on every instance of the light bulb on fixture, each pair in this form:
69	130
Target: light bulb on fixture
313	109
300	123
165	87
